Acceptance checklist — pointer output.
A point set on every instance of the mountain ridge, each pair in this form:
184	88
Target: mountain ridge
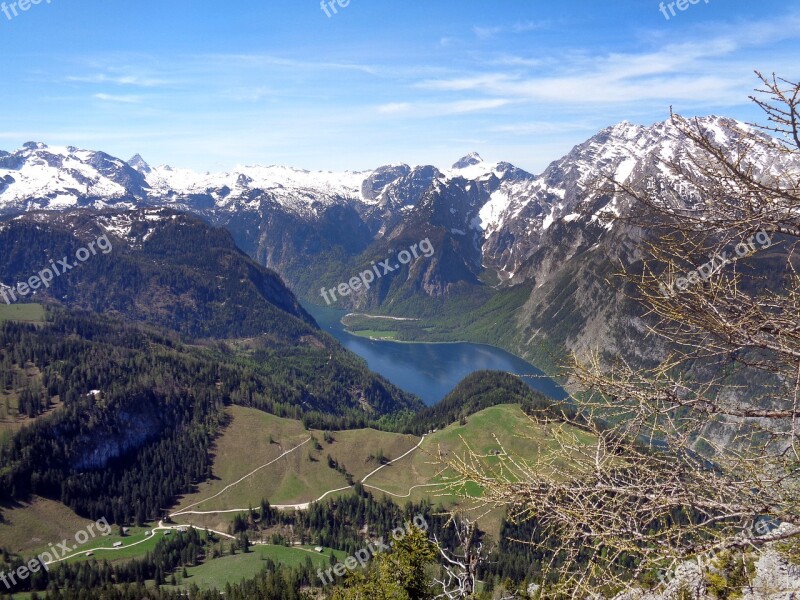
495	227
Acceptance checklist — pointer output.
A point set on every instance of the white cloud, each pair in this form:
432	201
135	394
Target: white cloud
465	106
531	128
714	70
118	99
485	33
394	108
122	80
440	109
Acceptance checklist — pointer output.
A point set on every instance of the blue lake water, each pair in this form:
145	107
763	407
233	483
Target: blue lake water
431	371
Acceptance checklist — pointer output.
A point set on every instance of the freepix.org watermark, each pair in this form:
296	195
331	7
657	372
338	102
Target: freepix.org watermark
716	263
363	556
56	553
679	4
10	10
56	268
365	278
330	5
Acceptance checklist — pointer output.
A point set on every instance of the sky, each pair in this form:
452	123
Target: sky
211	85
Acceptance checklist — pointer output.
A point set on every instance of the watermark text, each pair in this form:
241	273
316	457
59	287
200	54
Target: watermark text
56	268
366	278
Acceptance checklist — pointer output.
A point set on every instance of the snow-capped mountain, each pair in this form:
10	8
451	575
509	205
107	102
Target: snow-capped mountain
574	192
512	202
490	221
40	177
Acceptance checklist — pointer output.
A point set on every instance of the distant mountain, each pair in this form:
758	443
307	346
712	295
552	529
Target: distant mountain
158	266
138	163
174	272
470	160
520	260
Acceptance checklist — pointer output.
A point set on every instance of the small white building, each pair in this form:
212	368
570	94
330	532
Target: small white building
318	549
117	544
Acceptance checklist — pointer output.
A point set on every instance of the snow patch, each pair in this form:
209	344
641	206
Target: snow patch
491	213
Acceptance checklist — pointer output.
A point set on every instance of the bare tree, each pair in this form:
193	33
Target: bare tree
686	457
459	568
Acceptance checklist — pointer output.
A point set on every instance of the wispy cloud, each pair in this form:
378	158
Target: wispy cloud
121	80
117	99
394	108
439	109
240	60
466	106
530	128
486	32
250	94
518	27
712	72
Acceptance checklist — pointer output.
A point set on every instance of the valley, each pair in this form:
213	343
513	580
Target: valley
400	301
186	388
429	369
297	473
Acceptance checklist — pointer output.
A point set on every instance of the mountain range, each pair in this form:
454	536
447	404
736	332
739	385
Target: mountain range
521	260
179	361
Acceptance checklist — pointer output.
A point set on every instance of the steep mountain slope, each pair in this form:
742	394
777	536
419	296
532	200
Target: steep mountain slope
158	266
138	410
173	271
534	249
145	343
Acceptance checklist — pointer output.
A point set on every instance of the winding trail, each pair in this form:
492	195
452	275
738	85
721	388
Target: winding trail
250	474
302	505
160	527
408	495
394	460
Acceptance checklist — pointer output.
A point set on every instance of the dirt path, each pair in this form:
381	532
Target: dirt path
186	510
302	505
160	527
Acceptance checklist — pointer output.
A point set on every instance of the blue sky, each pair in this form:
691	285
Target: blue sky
209	85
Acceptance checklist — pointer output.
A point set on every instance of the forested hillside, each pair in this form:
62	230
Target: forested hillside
158	266
139	409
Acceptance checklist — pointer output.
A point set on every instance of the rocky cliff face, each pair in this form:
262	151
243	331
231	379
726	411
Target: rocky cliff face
496	228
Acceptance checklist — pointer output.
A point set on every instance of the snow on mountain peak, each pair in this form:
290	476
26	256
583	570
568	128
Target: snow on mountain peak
140	164
470	160
39	176
471	167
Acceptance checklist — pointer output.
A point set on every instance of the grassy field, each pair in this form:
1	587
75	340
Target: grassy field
254	438
27	528
298	477
295	478
134	545
493	430
216	573
26	313
233	569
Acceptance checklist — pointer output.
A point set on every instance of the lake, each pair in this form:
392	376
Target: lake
430	371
